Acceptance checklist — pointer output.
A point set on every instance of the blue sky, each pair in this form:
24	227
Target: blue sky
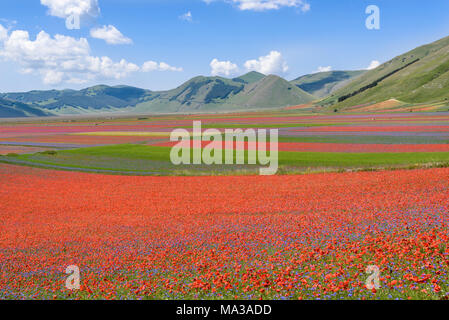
157	44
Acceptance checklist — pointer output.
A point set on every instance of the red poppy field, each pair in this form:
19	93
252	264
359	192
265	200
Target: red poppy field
248	237
138	229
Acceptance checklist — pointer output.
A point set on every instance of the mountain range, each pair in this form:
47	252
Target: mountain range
15	109
250	91
420	75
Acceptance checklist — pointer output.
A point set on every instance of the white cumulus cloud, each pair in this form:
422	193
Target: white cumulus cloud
187	17
273	63
3	33
323	69
262	5
66	8
63	59
110	34
373	65
161	66
225	68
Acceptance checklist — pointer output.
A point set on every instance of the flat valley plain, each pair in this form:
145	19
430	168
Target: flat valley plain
307	142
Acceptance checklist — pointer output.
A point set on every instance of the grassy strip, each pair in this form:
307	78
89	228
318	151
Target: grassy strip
290	158
125	151
294	159
58	166
350	160
213	170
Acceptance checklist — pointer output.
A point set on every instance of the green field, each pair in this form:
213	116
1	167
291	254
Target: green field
135	159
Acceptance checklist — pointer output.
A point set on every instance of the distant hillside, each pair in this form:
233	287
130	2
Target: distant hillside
203	90
322	84
95	99
420	75
196	94
250	77
218	94
271	91
250	91
14	109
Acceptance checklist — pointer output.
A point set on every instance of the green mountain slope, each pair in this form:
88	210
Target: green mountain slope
199	93
95	99
14	109
250	77
272	91
217	94
322	84
203	90
420	75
